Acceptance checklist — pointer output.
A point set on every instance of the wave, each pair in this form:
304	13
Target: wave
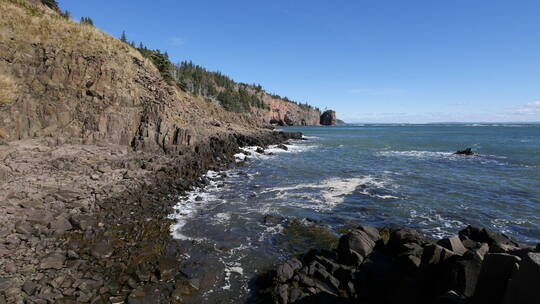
194	201
333	191
250	152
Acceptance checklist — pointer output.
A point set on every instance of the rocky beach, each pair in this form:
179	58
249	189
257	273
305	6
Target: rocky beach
127	178
88	224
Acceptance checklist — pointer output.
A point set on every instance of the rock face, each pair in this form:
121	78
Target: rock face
403	266
328	118
283	113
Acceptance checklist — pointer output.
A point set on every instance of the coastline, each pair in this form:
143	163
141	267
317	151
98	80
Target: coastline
109	239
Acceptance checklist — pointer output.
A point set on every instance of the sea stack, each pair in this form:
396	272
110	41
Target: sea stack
328	118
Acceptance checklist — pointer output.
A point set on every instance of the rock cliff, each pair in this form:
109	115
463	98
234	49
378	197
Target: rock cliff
71	82
286	113
328	118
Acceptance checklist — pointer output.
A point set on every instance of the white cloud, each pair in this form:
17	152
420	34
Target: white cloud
531	108
177	41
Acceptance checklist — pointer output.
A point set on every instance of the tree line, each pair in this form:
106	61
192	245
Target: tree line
213	86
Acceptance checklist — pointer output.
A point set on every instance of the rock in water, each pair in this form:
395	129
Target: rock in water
328	118
467	151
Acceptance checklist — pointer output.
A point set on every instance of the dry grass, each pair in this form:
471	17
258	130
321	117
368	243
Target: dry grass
37	24
8	89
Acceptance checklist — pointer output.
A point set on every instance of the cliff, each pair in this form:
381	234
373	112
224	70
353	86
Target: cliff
76	84
285	113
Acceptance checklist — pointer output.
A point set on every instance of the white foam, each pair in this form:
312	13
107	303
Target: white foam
192	203
333	191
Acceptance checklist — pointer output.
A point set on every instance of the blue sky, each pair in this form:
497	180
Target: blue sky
371	61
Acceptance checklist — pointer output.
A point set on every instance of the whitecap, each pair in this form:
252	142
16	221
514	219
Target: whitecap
333	191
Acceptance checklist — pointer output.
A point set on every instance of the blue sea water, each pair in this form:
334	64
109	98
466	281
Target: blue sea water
378	175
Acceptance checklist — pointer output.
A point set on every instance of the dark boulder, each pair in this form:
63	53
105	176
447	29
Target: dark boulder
453	244
355	246
282	147
523	283
494	275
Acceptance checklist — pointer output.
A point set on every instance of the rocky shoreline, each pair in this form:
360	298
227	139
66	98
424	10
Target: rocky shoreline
88	223
402	265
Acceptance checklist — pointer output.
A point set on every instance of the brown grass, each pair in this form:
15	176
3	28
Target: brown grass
8	89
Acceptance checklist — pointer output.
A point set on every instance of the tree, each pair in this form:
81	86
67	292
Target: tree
123	38
66	14
87	21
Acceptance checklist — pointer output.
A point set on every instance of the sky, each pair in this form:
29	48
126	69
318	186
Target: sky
394	61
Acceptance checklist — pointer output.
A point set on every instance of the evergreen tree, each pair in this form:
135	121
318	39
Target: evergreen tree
87	21
123	38
66	14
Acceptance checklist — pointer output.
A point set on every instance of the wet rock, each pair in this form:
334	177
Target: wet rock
355	246
259	150
53	261
494	275
286	271
467	151
453	244
523	283
282	147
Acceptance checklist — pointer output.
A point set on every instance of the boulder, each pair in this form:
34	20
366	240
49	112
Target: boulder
355	246
435	254
494	275
282	147
483	235
463	275
523	284
453	244
286	271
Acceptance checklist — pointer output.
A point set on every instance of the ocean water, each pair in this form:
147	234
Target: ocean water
377	175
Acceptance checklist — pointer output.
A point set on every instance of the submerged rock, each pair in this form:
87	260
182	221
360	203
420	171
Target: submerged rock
467	151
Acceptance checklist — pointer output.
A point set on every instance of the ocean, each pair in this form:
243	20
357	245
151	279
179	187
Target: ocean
380	175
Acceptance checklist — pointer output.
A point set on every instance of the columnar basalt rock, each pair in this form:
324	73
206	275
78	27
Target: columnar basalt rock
408	267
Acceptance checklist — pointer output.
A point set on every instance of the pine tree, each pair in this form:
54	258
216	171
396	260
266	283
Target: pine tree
87	21
123	38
